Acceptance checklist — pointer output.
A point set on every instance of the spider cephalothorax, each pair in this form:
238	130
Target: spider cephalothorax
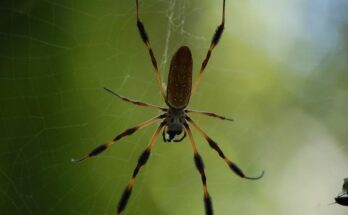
175	120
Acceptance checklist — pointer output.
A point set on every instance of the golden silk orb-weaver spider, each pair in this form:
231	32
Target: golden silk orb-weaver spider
175	120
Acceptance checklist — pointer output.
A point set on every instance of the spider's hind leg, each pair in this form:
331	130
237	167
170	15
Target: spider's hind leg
146	41
216	38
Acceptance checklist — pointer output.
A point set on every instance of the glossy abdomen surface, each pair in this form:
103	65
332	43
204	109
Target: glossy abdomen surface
180	79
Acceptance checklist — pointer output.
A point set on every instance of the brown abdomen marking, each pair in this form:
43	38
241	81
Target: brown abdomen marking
180	79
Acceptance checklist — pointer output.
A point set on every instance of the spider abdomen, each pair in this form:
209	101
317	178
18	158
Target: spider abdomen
180	79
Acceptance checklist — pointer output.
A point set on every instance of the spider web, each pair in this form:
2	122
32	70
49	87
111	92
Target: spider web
279	71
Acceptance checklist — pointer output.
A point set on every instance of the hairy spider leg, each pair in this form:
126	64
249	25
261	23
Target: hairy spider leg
215	146
135	102
146	41
210	114
208	205
141	162
101	148
214	42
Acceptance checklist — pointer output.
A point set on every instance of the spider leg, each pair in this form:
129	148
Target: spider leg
214	42
101	148
139	103
141	162
146	41
200	167
164	134
214	146
209	114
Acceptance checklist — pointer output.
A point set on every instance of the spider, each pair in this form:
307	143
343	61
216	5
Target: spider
175	119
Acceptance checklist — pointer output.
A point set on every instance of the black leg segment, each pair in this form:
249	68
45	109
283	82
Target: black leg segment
142	160
215	146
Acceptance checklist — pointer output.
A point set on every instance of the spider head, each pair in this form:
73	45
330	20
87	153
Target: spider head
175	125
173	130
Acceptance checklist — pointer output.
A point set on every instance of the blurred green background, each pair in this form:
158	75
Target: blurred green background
280	71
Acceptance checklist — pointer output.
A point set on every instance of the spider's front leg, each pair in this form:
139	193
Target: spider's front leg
233	166
143	158
208	205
